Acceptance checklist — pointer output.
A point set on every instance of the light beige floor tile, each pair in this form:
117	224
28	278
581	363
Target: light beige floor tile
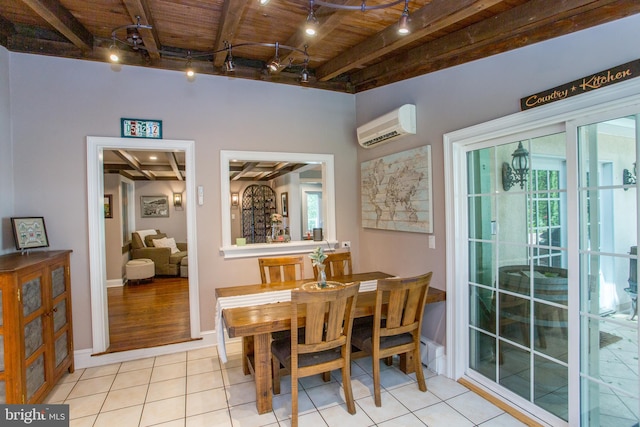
445	388
163	411
442	415
132	378
137	364
124	417
362	386
84	406
233	361
281	404
336	416
205	381
219	418
474	407
329	394
100	371
407	420
391	407
167	372
233	376
83	422
169	359
312	419
92	386
233	347
392	378
504	420
198	366
166	389
123	398
59	393
413	398
206	401
247	415
175	423
239	394
203	353
71	378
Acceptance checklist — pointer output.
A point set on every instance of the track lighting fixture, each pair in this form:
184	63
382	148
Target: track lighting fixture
403	25
135	42
190	71
311	26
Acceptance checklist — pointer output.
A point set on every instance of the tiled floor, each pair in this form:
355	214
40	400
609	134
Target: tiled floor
195	389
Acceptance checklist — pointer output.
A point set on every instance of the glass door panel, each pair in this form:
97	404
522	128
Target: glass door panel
518	276
607	194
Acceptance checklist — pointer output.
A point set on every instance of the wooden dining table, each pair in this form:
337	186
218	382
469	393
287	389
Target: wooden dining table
260	321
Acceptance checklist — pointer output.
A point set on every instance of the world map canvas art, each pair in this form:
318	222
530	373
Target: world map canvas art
396	191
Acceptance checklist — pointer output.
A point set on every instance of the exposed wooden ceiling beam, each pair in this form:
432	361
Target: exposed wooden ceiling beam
149	36
228	26
6	29
531	22
63	21
247	167
431	18
174	165
131	161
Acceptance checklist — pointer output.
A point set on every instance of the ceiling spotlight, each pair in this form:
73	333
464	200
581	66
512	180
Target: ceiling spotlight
263	2
189	71
403	24
229	66
114	55
275	64
311	26
304	75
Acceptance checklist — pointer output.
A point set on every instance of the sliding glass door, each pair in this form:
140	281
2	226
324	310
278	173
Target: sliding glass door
552	234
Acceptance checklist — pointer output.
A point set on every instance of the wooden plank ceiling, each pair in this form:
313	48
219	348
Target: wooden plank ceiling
352	52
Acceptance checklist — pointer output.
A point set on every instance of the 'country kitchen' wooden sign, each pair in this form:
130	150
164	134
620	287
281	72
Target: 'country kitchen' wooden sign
586	84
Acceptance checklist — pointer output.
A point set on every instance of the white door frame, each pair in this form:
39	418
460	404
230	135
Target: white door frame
97	260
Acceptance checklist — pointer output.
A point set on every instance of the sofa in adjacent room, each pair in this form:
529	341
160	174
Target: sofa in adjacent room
162	250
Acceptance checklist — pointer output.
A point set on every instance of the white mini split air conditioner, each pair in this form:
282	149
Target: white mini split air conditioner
392	125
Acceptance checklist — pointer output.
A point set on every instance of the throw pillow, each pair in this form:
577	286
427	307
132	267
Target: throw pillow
166	243
148	240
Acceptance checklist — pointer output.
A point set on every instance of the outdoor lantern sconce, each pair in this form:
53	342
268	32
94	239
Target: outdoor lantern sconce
520	164
235	199
628	177
177	200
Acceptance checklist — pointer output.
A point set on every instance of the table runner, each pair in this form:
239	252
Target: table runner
258	299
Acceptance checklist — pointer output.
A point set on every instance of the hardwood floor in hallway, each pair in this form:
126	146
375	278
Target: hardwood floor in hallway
149	314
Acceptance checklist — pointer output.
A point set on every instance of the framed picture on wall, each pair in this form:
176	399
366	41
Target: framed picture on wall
154	206
284	200
108	205
29	233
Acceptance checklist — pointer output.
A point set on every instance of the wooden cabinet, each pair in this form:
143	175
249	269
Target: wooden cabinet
36	336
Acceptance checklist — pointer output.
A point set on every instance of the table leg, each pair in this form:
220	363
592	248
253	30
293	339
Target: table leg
262	369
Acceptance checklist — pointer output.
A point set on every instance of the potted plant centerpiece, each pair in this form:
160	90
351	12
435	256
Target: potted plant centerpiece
276	226
317	260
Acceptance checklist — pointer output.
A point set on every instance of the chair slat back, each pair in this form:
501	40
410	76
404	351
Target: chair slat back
406	300
328	317
281	269
337	264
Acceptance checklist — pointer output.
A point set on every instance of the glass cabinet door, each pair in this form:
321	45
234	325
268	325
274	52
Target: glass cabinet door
59	296
33	311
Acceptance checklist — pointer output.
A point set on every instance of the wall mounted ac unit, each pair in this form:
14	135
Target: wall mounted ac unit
399	122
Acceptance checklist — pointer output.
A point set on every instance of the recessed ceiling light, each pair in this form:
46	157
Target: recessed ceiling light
153	157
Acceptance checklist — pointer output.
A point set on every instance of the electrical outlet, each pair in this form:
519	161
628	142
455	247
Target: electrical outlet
346	244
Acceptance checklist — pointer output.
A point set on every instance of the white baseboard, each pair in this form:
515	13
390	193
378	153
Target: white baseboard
84	359
115	283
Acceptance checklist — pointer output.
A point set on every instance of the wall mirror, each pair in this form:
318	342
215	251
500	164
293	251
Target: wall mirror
307	183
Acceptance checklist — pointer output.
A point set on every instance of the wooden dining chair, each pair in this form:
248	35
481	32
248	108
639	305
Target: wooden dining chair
337	264
323	345
273	270
281	269
396	323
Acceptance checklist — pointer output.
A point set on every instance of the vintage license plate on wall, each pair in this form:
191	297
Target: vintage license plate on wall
141	128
